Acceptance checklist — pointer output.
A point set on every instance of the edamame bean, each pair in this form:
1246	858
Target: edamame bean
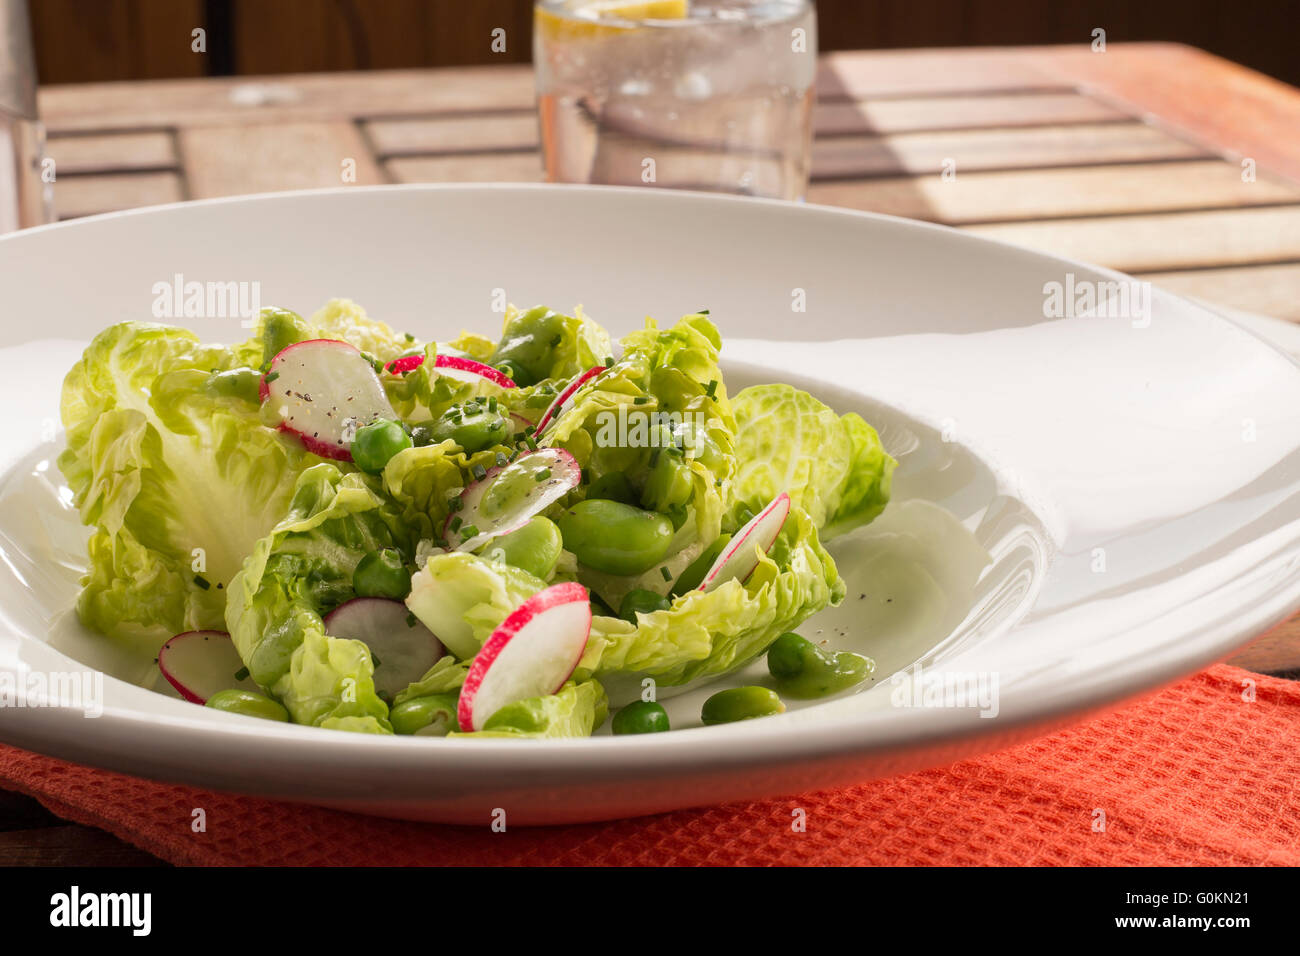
697	443
382	574
377	442
430	716
249	703
280	329
612	486
669	484
693	576
641	717
641	601
472	425
804	670
741	703
240	383
615	538
422	434
535	547
528	344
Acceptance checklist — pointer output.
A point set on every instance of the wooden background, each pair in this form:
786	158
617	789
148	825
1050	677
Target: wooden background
96	40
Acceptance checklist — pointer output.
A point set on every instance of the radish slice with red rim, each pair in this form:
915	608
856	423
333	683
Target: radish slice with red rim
532	653
323	390
739	559
402	651
404	363
507	496
564	401
200	663
467	370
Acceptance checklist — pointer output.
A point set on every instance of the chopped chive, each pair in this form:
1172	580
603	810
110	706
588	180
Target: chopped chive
241	674
667	576
479	472
502	461
531	442
469	531
542	475
410	619
408	336
456	504
702	312
492	404
271	377
713	387
201	581
557	340
530	429
609	360
455	523
640	399
375	657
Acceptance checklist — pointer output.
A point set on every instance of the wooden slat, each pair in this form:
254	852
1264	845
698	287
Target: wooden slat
85	195
879	73
453	134
234	160
1278	651
1265	290
851	156
960	112
70	846
1228	106
112	152
478	167
1161	242
1054	193
285	99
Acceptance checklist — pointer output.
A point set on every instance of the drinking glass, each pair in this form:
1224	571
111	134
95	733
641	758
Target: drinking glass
714	95
25	196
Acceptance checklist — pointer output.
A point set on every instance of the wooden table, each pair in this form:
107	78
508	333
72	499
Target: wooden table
1155	159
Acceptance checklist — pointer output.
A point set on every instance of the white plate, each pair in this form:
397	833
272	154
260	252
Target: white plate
1135	482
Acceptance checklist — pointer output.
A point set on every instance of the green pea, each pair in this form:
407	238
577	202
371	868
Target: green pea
641	601
240	383
804	670
377	442
741	703
669	485
535	547
280	329
641	717
249	703
430	716
615	538
693	576
613	486
528	344
472	426
382	574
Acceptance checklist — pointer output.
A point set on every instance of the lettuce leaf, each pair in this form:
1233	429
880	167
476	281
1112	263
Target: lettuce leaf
833	467
575	711
297	573
174	471
463	597
705	634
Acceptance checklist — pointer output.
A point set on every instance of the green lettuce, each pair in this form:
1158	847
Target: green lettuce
297	573
464	597
169	462
705	634
575	711
833	467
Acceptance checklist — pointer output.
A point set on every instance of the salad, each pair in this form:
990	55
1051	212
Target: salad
336	524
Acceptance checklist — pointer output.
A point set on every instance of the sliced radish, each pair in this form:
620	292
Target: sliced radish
740	557
506	497
532	653
324	390
404	364
467	370
200	663
402	651
564	401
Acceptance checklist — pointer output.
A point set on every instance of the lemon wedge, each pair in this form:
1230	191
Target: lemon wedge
583	20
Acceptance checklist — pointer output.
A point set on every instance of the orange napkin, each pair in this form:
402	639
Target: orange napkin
1194	774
